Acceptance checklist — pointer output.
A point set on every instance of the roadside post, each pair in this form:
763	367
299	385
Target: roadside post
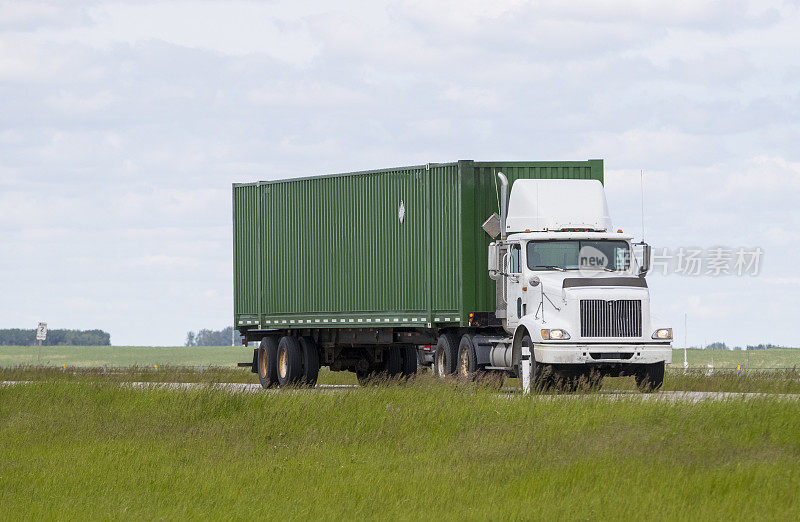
41	335
526	370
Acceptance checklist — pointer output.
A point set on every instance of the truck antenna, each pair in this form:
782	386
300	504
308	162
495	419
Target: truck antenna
641	187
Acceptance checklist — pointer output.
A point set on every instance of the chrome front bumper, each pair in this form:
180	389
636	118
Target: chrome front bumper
583	353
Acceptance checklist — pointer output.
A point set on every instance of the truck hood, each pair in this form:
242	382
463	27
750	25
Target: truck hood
574	283
566	290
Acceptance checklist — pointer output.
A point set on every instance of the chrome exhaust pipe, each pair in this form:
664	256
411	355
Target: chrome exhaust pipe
503	204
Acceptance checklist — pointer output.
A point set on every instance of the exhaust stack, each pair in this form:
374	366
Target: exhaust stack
503	204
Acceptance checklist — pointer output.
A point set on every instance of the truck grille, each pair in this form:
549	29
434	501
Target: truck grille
601	318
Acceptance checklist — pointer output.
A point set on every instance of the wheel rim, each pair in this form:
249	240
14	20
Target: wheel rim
464	363
440	362
262	363
283	364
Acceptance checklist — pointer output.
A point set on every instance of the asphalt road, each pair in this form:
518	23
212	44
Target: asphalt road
688	396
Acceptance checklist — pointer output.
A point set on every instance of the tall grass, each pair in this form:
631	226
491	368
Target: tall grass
82	449
761	381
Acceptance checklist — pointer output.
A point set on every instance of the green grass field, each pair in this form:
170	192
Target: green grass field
752	359
228	356
124	356
77	449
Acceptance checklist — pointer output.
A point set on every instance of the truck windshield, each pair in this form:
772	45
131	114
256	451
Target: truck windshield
578	254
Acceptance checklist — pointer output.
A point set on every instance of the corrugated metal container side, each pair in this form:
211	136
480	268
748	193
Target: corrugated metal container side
479	182
401	247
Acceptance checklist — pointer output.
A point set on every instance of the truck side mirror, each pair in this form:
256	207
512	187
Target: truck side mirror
534	281
494	261
646	251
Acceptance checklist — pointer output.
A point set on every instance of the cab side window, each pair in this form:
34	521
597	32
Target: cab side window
516	265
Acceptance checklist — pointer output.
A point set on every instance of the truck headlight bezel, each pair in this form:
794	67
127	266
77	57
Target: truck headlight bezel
663	334
554	334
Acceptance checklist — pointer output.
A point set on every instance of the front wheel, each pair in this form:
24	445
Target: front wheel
650	377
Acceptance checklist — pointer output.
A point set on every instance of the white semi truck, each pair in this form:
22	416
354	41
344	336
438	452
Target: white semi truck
571	297
353	271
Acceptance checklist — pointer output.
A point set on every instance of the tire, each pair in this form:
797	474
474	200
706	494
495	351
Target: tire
365	377
467	365
567	381
289	361
593	380
394	360
266	362
444	358
650	377
409	354
310	361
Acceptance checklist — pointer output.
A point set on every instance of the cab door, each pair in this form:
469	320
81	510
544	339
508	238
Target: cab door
514	300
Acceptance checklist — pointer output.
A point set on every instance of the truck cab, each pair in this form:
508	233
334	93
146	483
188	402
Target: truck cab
571	295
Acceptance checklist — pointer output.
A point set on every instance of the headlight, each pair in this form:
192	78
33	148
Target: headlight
555	334
663	333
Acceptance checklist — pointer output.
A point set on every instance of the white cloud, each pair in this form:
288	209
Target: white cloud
766	174
233	28
163	261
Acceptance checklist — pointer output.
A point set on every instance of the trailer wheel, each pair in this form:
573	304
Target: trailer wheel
266	363
444	358
289	361
394	361
310	361
409	360
365	377
467	366
650	377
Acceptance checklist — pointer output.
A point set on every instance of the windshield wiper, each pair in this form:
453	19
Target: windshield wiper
553	267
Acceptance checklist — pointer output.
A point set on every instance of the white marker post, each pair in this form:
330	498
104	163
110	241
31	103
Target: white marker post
685	344
41	335
526	370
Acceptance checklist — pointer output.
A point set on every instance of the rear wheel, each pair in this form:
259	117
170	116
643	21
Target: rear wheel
289	361
650	377
266	362
444	358
365	377
310	361
394	360
467	366
409	354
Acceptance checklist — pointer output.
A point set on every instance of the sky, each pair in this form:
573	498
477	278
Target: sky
123	125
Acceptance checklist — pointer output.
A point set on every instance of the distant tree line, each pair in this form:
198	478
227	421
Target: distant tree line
20	337
204	337
722	346
761	346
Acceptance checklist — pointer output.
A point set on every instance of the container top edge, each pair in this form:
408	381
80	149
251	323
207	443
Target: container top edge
410	167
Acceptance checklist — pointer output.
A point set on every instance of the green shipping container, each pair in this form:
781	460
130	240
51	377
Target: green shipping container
398	247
